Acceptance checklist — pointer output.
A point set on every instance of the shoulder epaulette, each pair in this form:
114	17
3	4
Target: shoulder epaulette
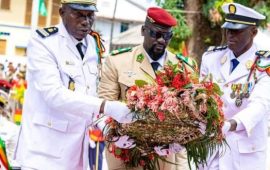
46	32
120	51
189	61
216	48
262	53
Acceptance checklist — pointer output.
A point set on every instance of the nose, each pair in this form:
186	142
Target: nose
161	40
87	21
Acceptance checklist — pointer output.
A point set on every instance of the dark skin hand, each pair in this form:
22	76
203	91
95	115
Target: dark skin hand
156	39
77	22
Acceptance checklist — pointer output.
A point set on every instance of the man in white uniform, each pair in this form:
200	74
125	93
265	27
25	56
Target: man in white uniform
246	86
60	102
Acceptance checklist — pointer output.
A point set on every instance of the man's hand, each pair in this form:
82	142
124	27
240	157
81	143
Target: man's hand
118	111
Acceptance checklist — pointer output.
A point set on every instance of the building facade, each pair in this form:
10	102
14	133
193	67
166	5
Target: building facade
114	17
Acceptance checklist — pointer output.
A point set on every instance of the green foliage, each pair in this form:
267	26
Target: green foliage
140	83
262	6
181	31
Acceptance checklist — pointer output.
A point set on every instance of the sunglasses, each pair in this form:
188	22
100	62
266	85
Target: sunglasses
156	34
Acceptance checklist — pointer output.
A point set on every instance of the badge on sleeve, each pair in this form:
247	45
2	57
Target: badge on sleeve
140	58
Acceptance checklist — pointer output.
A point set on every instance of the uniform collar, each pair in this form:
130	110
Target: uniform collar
243	57
75	41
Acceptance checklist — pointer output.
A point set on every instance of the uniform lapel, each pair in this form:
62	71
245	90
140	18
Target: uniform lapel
91	53
238	72
145	64
242	70
67	41
170	57
225	65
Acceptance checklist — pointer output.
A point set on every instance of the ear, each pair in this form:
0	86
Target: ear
254	31
61	12
142	30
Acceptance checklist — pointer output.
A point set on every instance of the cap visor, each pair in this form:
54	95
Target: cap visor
84	7
234	26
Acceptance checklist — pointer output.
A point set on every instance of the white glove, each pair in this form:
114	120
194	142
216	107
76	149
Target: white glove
92	143
118	111
226	127
124	142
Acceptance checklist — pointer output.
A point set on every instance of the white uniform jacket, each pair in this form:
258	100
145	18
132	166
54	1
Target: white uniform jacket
55	119
247	145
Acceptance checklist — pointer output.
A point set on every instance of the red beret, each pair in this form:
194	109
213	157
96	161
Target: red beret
161	17
5	84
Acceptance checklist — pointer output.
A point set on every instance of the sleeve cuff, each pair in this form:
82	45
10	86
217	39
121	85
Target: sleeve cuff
240	125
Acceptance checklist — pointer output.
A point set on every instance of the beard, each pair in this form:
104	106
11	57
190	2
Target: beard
156	53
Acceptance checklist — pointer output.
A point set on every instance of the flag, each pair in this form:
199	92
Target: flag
3	156
42	8
184	49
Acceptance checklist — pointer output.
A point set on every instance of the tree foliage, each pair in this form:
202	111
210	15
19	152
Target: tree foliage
211	9
181	31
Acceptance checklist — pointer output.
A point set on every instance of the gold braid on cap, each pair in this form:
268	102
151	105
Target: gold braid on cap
150	19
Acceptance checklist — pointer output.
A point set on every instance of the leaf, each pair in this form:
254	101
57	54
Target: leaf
189	85
217	89
140	83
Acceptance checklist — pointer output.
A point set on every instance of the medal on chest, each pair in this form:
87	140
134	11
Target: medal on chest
240	91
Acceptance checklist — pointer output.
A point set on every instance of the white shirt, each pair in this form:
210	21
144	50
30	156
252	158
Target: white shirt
161	60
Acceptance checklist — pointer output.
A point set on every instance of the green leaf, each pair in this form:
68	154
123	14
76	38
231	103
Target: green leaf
217	89
140	83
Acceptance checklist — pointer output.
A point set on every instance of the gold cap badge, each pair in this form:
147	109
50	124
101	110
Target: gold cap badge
232	9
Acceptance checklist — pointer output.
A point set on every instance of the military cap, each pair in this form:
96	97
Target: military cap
87	5
5	85
239	16
160	16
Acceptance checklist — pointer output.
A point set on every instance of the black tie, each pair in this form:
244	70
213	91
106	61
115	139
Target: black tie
235	62
155	65
79	48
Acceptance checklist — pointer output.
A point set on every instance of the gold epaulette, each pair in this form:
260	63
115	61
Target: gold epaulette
121	50
262	53
46	32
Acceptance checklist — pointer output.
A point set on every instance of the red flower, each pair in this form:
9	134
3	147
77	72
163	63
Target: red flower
142	162
151	157
208	85
179	81
161	116
159	80
108	120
